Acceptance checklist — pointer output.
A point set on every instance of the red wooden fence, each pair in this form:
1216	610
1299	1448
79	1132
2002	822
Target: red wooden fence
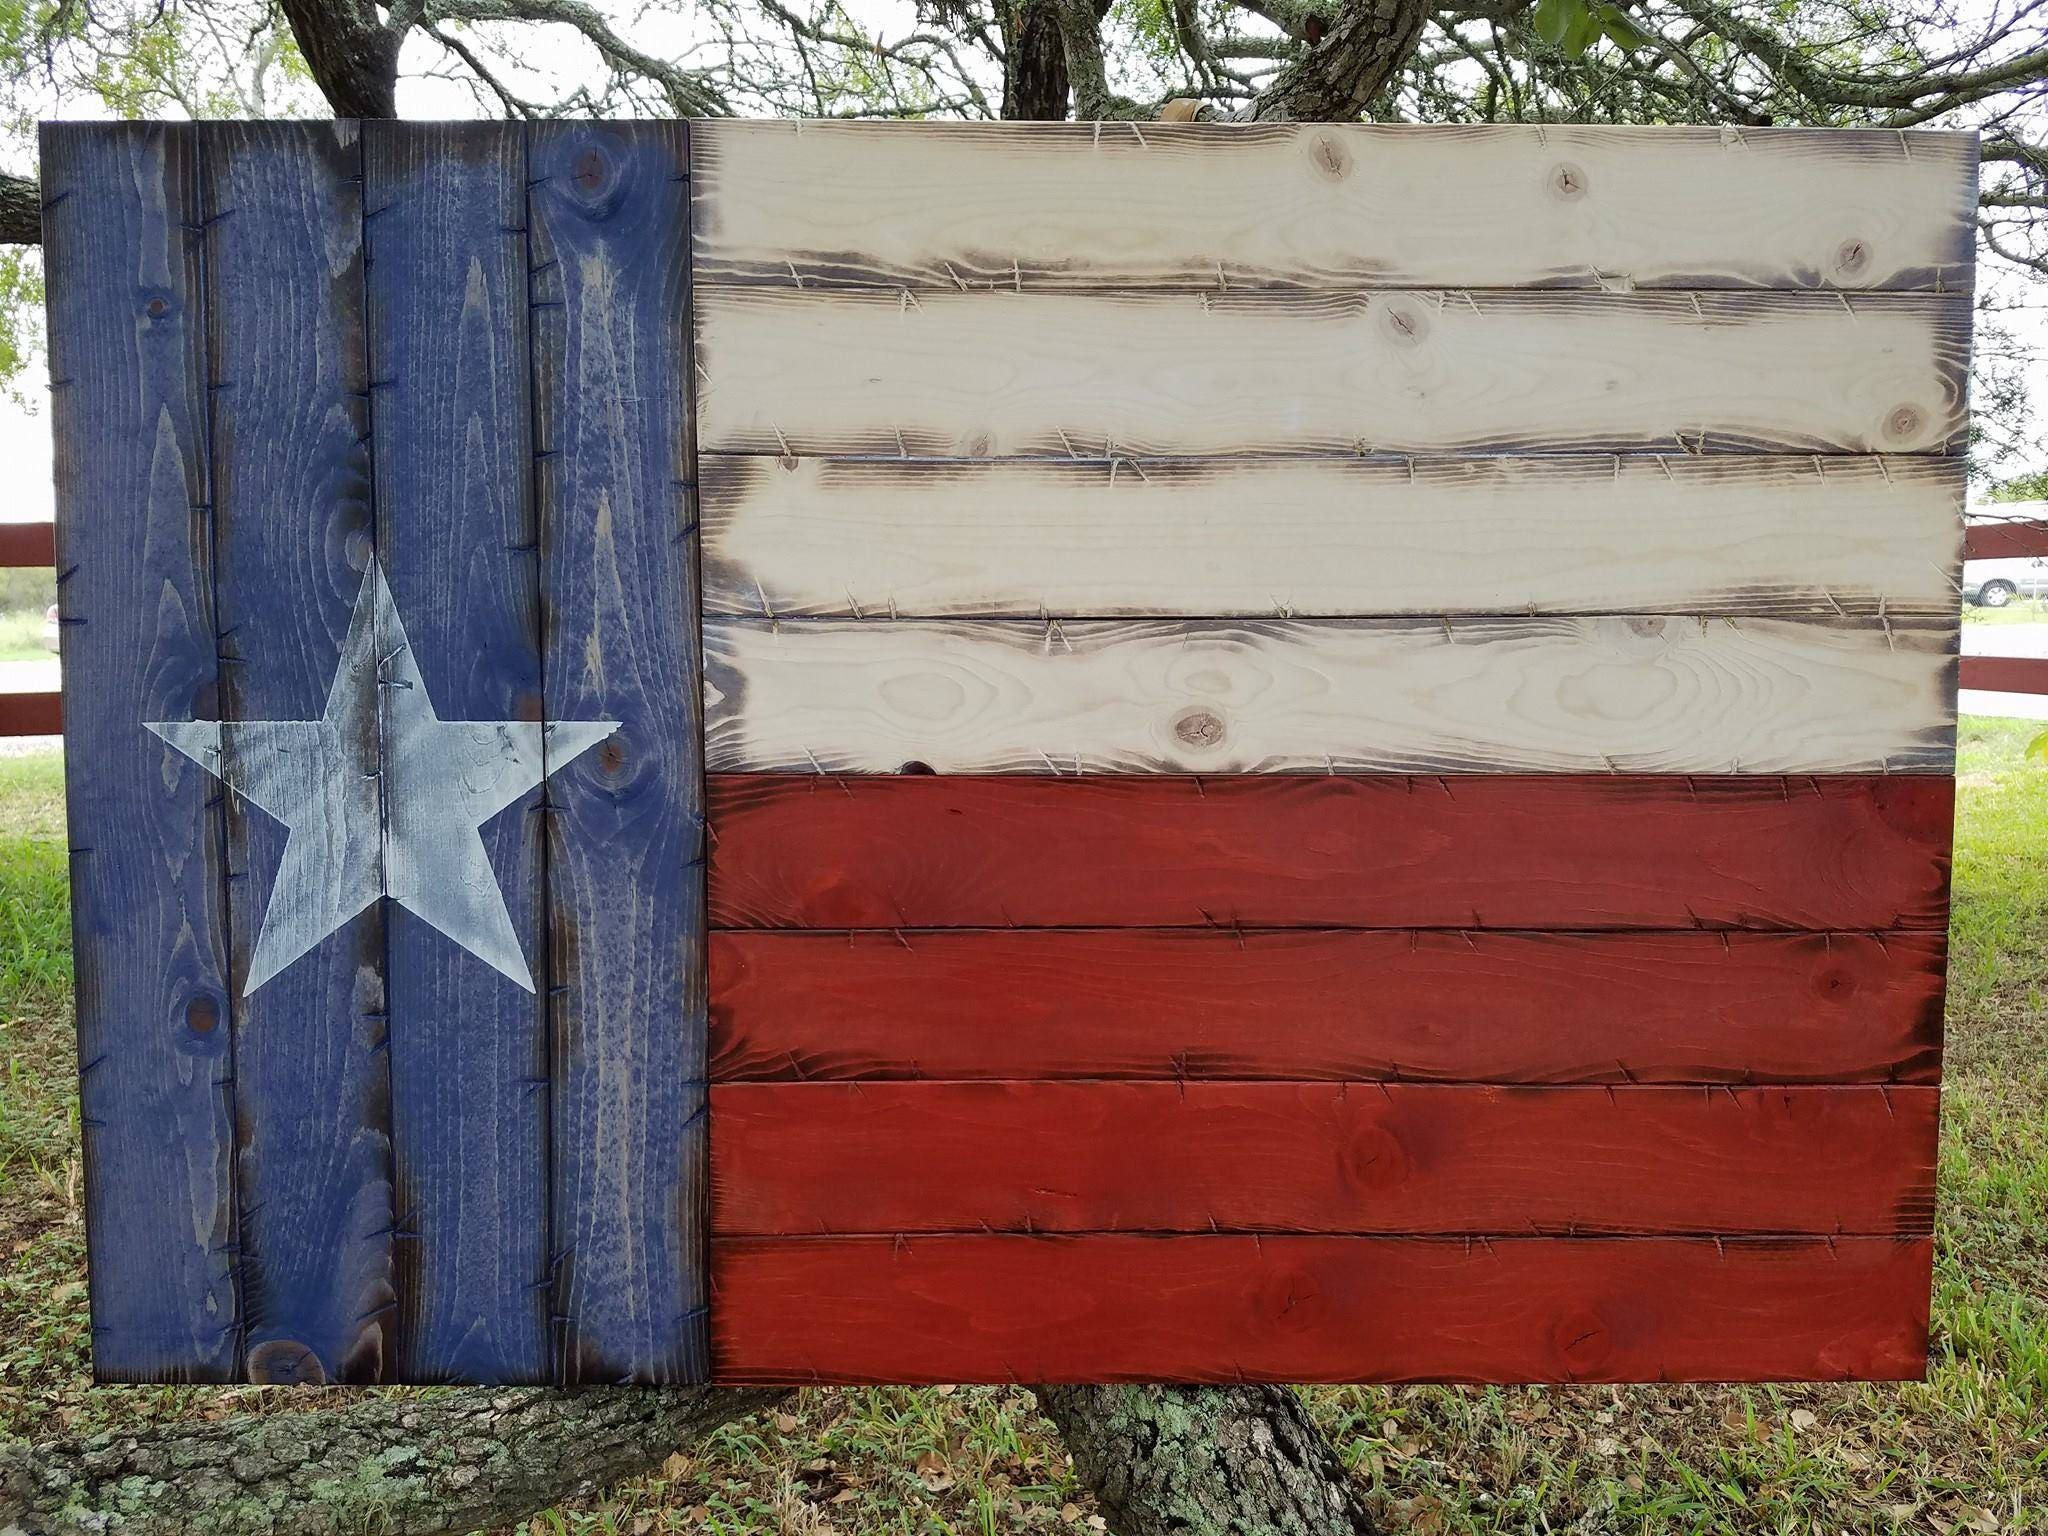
42	714
29	714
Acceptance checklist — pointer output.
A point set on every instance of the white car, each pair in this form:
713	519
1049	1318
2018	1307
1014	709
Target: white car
1994	583
50	629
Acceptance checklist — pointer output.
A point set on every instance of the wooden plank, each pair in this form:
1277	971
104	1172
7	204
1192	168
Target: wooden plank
296	526
1402	1158
1635	694
2001	541
148	866
2005	674
977	375
455	532
1235	205
1596	852
1293	1309
31	714
857	538
27	544
609	220
1178	1004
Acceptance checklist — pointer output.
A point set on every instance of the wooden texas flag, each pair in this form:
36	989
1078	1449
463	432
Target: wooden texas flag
796	752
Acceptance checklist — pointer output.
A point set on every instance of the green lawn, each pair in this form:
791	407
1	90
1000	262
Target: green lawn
21	636
1965	1452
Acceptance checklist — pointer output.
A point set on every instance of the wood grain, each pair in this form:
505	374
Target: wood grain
1402	1158
1293	1309
148	866
1601	852
863	538
1638	694
608	212
939	205
453	443
296	521
1180	1005
994	374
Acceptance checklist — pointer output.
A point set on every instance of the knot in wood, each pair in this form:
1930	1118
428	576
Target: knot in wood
1904	423
1198	728
1332	161
1567	181
1853	257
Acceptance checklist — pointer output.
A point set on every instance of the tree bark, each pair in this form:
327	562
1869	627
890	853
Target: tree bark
1206	1461
1338	77
353	56
1035	63
21	211
406	1466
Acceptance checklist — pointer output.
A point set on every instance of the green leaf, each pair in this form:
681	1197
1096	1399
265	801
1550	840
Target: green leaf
1554	18
1582	34
1621	31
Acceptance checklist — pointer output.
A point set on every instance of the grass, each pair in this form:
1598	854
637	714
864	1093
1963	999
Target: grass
2021	610
21	636
1966	1451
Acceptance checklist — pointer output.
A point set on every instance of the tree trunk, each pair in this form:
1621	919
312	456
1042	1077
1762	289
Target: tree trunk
353	56
1206	1461
1367	41
1035	63
21	211
406	1466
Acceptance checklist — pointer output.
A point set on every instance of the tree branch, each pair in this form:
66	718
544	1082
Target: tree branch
689	93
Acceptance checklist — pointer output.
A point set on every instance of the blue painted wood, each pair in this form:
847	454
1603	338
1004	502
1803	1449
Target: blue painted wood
608	214
450	421
149	915
295	529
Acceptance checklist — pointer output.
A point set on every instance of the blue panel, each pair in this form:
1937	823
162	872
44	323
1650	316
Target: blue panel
295	533
447	320
148	890
608	215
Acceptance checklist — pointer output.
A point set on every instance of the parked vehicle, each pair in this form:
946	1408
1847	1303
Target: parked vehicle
50	629
1994	583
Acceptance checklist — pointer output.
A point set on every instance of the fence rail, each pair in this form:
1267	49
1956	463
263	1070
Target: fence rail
42	713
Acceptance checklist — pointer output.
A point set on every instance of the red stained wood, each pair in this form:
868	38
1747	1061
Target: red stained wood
2004	674
31	714
1308	1004
1221	1308
1608	851
2005	541
1318	1157
27	544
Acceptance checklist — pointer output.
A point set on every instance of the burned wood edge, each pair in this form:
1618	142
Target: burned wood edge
411	1463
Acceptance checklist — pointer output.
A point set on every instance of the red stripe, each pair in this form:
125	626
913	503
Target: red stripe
2004	674
1190	1003
1318	1157
2004	541
27	544
1615	851
1024	1309
31	714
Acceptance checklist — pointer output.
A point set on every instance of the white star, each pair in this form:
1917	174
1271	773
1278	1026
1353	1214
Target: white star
442	780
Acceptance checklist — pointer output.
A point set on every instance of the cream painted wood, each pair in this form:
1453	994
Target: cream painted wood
1331	536
993	374
1219	206
1543	695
